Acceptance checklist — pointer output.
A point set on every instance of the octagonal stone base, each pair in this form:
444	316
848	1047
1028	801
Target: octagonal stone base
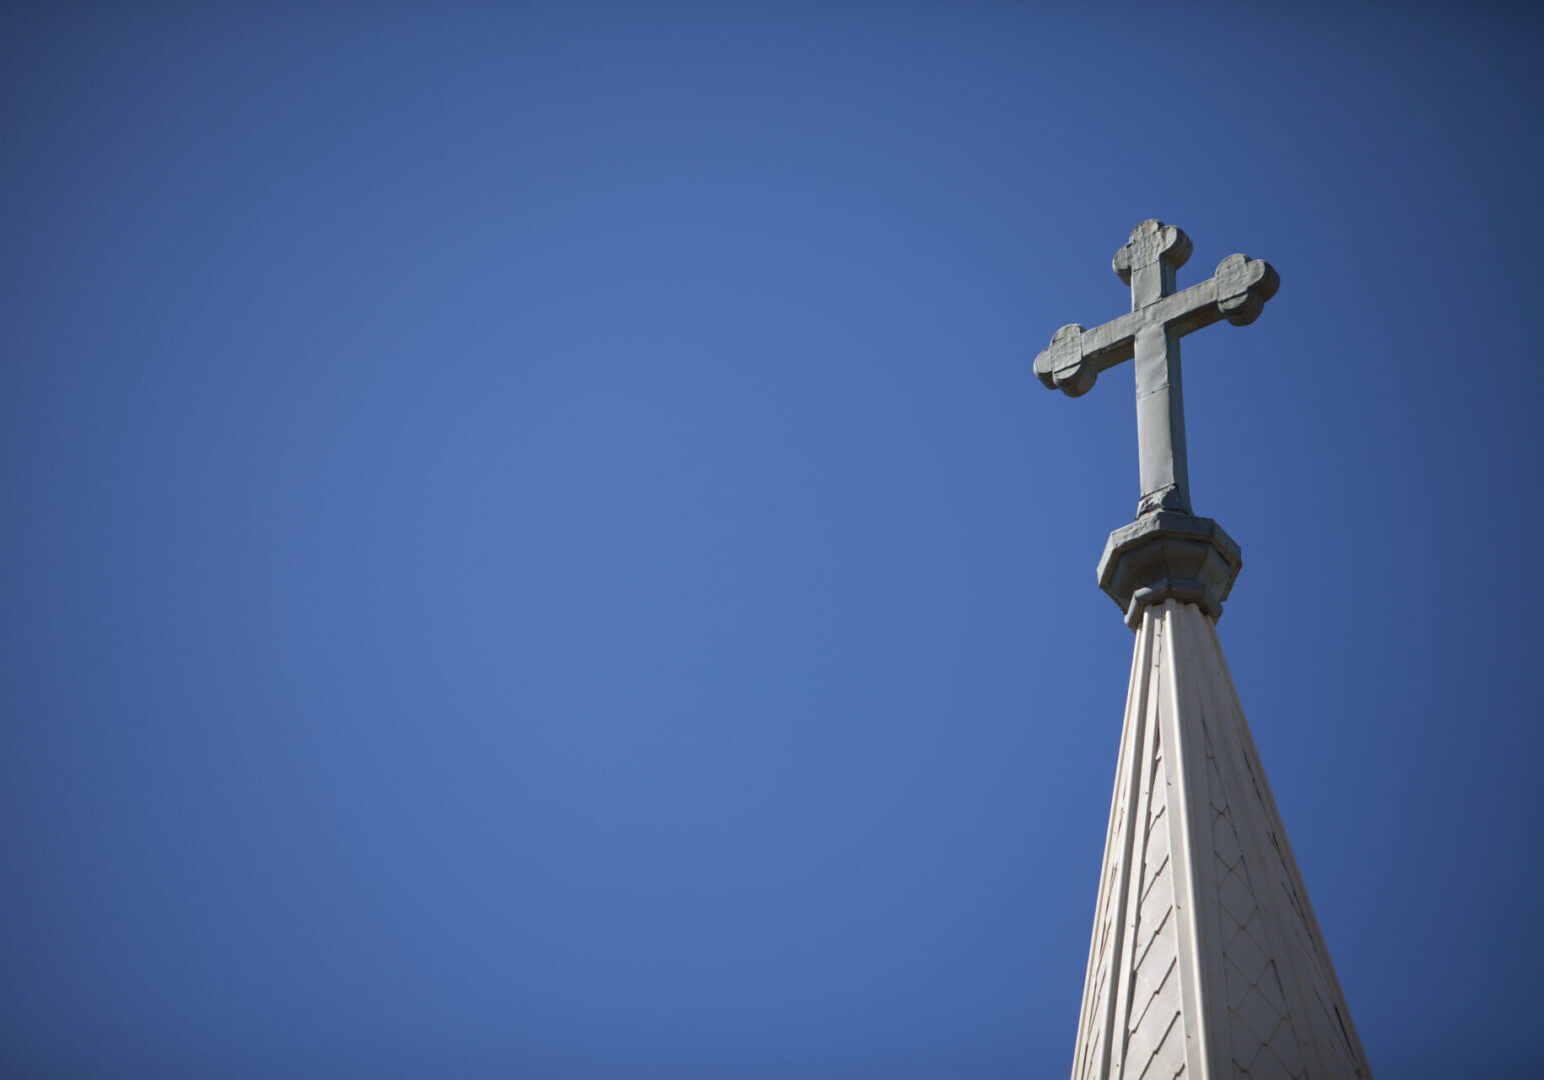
1167	555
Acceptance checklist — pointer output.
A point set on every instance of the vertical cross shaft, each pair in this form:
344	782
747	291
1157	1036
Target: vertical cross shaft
1149	262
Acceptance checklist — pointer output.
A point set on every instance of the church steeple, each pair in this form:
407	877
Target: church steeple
1206	960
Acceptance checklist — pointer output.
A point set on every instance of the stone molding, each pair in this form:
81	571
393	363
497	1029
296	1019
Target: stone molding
1166	555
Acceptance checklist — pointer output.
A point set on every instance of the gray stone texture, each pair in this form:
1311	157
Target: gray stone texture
1167	555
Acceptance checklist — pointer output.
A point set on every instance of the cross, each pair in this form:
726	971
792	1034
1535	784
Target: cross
1159	318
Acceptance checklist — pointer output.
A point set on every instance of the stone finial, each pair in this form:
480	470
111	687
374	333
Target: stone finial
1150	242
1243	286
1061	365
1167	552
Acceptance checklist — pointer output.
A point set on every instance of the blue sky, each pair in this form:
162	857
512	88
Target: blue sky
533	547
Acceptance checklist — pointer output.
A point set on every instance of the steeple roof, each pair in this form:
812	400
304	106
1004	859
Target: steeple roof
1206	959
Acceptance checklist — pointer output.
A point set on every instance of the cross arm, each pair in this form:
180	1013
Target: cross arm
1236	292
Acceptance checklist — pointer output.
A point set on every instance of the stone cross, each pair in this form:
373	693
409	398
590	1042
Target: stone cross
1159	317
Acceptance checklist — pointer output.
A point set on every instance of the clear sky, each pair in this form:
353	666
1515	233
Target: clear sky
532	545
